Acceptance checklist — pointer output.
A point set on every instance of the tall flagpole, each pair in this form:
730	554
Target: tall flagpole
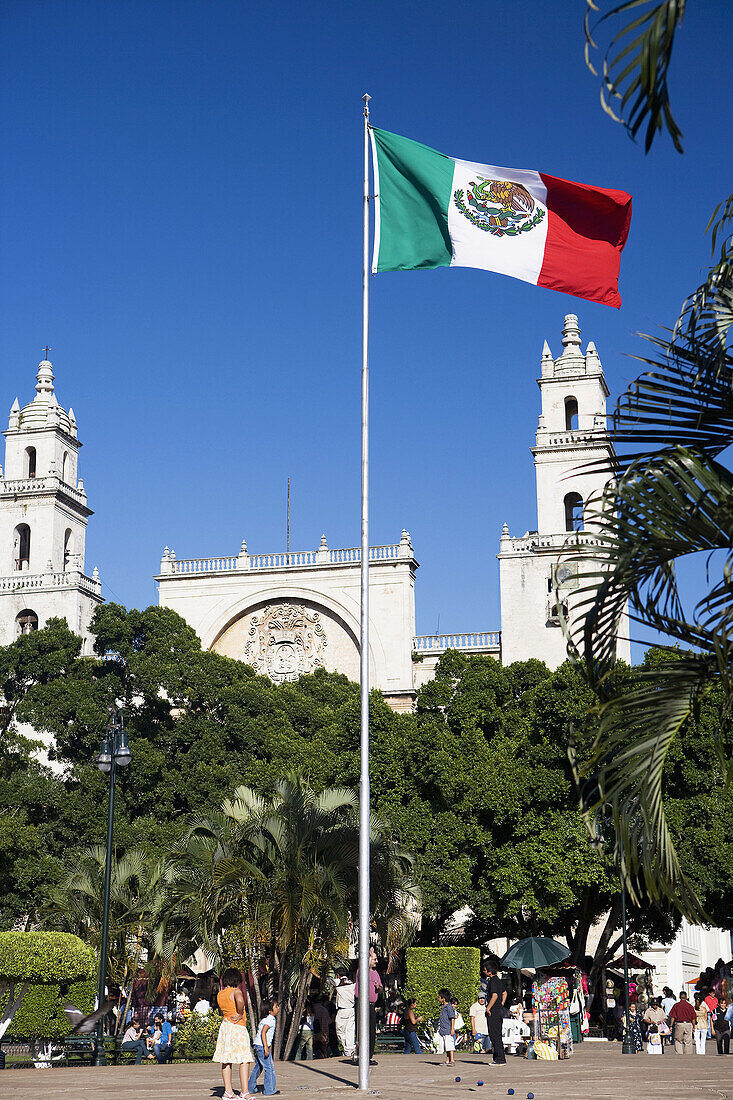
364	939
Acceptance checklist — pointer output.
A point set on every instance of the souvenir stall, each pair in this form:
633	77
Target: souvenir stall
551	1006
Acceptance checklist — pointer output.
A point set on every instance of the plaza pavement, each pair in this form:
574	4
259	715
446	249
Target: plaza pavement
597	1071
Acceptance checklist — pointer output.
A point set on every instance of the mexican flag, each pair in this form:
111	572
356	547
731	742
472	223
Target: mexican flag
433	211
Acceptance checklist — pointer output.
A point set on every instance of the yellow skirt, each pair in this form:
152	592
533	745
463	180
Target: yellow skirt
232	1044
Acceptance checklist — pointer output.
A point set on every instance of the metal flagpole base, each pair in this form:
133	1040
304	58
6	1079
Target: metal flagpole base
627	1047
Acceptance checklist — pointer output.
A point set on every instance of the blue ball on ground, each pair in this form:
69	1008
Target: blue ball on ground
457	1078
479	1082
510	1092
530	1096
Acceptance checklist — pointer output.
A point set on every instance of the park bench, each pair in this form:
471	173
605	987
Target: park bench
78	1048
390	1039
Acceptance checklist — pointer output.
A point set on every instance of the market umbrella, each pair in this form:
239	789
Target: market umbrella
533	952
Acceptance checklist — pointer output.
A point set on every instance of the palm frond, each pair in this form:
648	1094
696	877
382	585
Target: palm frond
635	66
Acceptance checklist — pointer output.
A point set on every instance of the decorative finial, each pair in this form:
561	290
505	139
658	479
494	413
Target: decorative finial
44	380
95	574
505	531
324	544
546	353
405	536
571	333
243	547
45	353
166	552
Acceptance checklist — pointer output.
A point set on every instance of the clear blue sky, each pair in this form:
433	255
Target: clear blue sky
181	221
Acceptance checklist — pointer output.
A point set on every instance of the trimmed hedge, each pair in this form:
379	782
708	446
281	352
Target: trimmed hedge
432	968
41	1013
45	957
64	969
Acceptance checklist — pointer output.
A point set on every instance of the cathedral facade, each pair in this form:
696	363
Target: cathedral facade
287	613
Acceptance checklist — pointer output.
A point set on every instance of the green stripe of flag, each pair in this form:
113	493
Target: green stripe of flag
415	185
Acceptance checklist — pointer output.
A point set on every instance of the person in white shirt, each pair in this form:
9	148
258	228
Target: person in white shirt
345	1019
262	1049
479	1025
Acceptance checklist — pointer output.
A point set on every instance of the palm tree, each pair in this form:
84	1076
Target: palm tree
671	498
76	905
278	876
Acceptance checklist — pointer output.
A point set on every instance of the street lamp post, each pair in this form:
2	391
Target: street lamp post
114	752
627	1047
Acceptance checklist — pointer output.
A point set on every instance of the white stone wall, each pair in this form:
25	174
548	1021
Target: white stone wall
222	603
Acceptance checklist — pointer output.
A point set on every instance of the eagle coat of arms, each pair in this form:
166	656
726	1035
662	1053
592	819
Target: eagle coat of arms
499	207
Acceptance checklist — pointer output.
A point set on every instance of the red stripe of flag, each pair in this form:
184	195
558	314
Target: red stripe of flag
587	229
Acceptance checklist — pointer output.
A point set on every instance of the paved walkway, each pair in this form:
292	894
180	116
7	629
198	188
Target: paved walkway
597	1071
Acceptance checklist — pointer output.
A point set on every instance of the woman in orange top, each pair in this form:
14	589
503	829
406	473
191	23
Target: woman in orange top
233	1046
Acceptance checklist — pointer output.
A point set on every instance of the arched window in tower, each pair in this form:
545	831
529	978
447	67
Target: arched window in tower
26	621
30	462
64	467
68	548
571	414
573	512
22	546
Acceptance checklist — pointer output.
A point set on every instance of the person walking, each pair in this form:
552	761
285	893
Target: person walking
263	1051
721	1020
479	1025
447	1026
344	993
375	986
668	1001
702	1013
305	1038
133	1040
496	996
683	1017
233	1045
409	1028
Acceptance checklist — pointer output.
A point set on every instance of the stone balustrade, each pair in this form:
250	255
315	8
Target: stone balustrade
484	641
295	559
71	578
565	541
51	483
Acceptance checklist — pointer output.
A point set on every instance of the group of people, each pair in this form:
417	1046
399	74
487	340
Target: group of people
153	1042
679	1022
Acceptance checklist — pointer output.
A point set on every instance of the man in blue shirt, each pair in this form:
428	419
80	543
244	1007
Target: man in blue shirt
162	1046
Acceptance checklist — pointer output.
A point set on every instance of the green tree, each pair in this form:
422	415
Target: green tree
278	875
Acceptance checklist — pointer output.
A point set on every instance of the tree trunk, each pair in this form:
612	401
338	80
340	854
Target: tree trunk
599	958
304	984
253	965
122	1016
579	947
280	1032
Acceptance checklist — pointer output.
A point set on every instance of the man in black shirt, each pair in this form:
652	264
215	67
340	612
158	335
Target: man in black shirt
496	995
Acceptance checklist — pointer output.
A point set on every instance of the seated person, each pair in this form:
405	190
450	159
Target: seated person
133	1040
159	1038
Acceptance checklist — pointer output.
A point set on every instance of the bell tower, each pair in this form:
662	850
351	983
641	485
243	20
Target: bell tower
43	520
572	453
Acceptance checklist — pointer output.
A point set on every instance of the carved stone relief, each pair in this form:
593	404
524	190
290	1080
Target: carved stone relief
284	641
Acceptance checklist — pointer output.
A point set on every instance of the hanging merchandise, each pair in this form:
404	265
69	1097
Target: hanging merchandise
551	1006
